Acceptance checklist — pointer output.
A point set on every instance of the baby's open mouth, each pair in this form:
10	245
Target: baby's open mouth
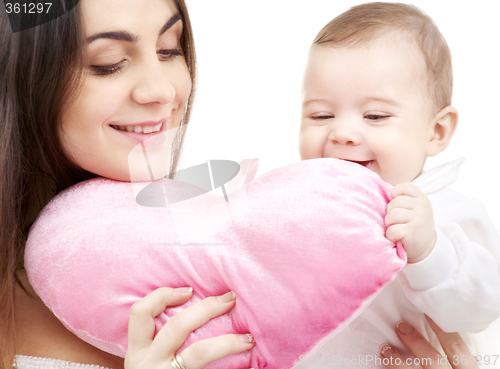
365	163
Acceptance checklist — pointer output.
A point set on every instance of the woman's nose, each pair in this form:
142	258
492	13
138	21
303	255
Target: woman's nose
154	85
344	133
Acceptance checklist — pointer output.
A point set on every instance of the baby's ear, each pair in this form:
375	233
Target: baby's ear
442	130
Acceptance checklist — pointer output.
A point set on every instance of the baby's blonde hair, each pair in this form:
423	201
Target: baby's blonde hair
366	22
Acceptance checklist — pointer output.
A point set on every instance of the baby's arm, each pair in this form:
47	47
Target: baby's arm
458	283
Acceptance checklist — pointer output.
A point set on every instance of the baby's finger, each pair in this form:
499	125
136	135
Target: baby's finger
429	357
392	359
397	216
202	352
175	331
455	348
407	188
396	232
141	327
404	202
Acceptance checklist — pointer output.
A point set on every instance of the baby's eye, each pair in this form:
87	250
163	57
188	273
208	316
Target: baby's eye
322	116
376	116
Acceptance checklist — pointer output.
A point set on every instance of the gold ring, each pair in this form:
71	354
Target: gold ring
174	363
177	362
180	362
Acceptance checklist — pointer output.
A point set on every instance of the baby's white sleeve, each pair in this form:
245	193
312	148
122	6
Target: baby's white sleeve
458	284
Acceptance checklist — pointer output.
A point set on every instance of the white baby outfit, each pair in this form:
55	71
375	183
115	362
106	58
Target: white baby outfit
457	285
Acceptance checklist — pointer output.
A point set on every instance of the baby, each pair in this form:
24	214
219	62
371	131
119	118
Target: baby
377	91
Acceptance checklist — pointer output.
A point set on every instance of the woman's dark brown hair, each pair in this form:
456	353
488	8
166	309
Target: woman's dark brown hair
40	68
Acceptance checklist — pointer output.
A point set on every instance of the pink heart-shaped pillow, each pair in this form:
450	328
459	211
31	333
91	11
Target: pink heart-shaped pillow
302	246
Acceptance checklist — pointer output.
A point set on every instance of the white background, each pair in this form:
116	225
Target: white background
251	56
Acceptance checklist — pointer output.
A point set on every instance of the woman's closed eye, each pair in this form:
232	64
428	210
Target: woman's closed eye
104	70
167	54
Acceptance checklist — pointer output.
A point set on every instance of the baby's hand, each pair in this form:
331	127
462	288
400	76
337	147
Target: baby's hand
409	218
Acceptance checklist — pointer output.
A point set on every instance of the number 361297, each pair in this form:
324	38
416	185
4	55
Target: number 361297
29	8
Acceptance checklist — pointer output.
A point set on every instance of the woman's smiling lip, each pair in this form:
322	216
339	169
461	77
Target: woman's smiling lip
140	132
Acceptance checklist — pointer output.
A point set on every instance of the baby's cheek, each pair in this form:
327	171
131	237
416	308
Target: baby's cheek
310	146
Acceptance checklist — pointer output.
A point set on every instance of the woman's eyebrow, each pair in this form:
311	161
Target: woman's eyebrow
120	36
126	36
169	24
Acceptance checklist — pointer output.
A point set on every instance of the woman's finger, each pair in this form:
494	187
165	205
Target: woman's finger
141	327
145	350
457	352
455	348
202	352
175	331
392	359
420	347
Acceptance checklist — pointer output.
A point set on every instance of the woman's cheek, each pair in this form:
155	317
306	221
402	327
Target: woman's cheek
184	85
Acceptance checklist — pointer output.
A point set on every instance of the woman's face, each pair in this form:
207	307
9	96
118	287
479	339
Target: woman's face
136	88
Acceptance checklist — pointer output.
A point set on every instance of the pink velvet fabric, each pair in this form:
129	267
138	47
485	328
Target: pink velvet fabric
302	246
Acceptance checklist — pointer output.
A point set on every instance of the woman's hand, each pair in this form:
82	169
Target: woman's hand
458	355
146	351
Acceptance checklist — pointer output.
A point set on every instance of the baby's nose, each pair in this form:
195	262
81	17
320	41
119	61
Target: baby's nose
344	134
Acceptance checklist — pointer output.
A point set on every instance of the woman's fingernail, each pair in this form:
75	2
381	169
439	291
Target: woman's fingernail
227	297
387	351
184	289
248	338
404	328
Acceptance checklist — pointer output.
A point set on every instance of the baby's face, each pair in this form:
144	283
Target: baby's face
370	105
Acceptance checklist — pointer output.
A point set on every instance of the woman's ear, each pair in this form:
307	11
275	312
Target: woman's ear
442	130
